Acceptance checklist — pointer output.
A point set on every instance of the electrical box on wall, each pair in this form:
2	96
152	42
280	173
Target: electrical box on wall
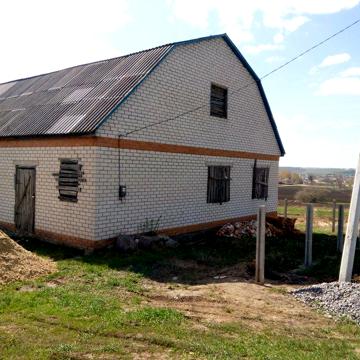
122	191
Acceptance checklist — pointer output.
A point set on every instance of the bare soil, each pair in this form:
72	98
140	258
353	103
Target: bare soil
16	263
234	299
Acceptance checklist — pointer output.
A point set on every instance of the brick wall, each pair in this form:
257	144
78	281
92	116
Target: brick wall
169	185
51	214
174	186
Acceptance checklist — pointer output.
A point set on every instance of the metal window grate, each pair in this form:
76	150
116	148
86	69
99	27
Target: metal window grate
218	101
260	188
218	190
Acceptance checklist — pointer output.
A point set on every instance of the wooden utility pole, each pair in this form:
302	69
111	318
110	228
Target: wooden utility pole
340	234
352	229
308	235
333	214
260	245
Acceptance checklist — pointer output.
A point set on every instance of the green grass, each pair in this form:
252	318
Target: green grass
322	217
98	306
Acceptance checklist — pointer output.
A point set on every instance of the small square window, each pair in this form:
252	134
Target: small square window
218	101
260	188
218	190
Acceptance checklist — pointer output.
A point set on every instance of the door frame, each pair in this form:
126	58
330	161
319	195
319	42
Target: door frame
26	167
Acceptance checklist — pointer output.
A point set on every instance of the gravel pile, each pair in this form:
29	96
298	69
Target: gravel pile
336	299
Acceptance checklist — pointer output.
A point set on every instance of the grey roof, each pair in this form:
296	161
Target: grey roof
73	100
79	99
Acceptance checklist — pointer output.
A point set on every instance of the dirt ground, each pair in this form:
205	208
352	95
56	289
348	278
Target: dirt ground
235	299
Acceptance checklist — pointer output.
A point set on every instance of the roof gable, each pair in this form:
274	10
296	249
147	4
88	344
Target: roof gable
79	99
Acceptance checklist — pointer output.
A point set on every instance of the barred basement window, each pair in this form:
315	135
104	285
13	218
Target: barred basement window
218	190
260	182
69	179
218	101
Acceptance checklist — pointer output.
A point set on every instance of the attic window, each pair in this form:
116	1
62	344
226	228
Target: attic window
218	190
218	101
69	179
260	188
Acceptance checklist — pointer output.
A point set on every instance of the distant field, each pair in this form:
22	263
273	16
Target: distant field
289	192
322	216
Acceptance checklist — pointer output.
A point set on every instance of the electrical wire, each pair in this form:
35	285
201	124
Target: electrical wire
248	84
231	92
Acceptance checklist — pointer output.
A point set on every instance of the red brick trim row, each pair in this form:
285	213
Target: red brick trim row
131	145
73	241
7	226
82	243
209	225
67	240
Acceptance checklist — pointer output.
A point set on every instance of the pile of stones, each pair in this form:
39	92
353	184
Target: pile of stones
335	299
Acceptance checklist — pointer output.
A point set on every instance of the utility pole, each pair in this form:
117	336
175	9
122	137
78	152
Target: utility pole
352	229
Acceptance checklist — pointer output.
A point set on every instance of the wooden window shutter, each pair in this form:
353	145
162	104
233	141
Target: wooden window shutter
218	101
69	179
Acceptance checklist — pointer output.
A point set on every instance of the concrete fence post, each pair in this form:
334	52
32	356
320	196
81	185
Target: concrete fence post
285	208
260	245
352	229
333	215
340	234
308	235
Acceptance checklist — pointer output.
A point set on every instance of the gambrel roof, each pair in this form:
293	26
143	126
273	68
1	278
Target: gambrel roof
77	100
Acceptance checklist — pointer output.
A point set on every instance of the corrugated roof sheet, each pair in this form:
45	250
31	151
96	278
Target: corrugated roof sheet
73	100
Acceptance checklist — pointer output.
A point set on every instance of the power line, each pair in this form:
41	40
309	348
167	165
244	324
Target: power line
310	49
248	84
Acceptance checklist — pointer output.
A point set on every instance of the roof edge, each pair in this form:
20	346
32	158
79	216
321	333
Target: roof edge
112	58
260	87
171	47
106	117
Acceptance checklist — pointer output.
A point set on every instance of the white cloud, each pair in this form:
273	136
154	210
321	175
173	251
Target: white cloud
335	59
280	15
340	86
278	38
347	82
52	35
323	6
197	16
330	61
256	49
274	58
299	131
293	23
353	71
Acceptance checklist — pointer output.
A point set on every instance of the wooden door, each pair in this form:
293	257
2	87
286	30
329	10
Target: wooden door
25	199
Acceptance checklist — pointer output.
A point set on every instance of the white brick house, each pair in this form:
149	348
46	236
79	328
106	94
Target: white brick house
193	170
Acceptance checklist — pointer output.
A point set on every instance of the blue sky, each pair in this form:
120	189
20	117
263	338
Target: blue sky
315	100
